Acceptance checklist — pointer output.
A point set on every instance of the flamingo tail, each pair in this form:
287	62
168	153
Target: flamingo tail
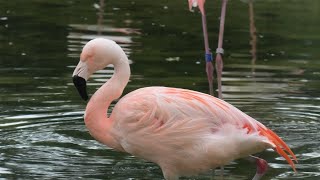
280	146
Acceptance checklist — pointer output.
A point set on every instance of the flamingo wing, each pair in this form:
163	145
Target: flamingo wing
158	122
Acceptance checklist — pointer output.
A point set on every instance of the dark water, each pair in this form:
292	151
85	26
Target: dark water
42	134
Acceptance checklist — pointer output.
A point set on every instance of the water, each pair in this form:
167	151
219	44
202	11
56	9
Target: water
41	125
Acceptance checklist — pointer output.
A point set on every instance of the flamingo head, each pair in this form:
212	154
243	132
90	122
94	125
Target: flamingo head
96	55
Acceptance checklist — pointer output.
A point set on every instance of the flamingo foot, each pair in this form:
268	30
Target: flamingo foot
262	167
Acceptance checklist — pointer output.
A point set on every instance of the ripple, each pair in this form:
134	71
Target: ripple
104	28
12	124
5	171
86	38
300	175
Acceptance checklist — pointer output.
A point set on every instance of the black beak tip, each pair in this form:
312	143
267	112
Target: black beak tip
81	85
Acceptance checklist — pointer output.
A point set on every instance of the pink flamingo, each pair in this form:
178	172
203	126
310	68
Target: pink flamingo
185	132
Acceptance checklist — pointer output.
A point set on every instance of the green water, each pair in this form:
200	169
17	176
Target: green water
42	134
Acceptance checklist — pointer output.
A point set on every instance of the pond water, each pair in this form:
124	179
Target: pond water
42	134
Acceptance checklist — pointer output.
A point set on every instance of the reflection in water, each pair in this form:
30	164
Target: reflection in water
253	35
82	33
100	16
253	42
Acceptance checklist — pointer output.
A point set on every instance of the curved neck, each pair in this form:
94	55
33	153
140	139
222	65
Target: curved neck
96	118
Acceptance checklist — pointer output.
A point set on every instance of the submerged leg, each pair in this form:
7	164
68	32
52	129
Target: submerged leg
262	166
169	175
222	171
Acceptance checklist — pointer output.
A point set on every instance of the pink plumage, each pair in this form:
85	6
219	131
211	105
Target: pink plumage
185	132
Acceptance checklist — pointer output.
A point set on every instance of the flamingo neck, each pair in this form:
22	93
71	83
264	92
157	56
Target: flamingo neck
96	118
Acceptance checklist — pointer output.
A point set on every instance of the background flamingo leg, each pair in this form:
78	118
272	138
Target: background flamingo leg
208	55
219	51
219	67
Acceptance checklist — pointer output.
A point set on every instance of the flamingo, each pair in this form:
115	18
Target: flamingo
219	50
185	132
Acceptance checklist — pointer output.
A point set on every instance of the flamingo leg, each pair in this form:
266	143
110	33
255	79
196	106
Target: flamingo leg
262	166
219	51
170	176
208	54
222	171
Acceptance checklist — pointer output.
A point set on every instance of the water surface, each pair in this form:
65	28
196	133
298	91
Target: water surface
41	115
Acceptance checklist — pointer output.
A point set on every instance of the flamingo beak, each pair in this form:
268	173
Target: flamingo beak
79	77
81	85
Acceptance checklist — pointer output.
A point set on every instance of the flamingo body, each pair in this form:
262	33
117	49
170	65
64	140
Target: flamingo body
185	132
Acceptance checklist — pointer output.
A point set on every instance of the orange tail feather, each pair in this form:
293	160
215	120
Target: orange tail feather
280	145
283	144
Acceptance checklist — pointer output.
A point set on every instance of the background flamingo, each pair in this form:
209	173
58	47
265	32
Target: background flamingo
219	50
185	132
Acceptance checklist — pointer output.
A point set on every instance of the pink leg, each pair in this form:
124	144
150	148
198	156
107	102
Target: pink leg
262	166
208	55
219	67
219	51
209	70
